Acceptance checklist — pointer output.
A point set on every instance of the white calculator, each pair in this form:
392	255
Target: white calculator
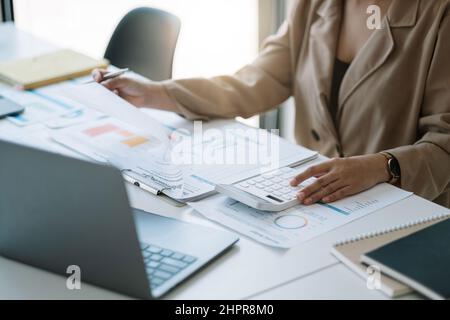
267	192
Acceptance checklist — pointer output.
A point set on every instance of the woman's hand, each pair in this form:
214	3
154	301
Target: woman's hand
142	94
342	177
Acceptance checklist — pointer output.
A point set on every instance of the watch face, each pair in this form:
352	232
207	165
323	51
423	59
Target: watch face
394	167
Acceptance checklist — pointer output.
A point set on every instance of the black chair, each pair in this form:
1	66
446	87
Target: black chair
145	41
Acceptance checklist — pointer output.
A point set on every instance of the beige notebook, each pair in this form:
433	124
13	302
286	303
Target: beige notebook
47	69
351	250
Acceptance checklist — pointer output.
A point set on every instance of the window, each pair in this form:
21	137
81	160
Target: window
217	36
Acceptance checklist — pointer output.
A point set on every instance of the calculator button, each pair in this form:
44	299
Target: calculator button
270	190
150	271
189	259
153	264
244	185
177	256
156	257
166	253
154	282
146	254
174	263
170	269
153	249
162	274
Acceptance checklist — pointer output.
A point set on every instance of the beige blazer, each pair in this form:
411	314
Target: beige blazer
395	96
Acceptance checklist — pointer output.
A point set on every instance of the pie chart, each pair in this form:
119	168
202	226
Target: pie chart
291	222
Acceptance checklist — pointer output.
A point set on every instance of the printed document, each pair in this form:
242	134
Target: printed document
97	97
197	156
187	158
299	224
135	153
38	108
189	168
49	107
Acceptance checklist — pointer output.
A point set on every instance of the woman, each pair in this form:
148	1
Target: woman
377	101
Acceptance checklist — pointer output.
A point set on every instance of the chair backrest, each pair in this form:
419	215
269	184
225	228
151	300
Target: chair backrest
145	41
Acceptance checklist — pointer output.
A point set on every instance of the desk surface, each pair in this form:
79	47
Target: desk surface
249	270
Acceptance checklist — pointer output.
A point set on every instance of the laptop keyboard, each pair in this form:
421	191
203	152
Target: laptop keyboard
163	264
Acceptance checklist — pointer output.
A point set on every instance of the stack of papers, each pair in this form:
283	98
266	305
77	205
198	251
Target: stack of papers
184	164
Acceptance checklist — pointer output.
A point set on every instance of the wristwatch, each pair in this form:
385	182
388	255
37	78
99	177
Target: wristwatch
393	167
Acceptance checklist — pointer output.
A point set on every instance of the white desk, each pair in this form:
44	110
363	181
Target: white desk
249	270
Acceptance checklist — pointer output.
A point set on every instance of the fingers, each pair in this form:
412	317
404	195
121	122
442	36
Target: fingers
98	74
311	172
116	83
324	192
338	195
322	182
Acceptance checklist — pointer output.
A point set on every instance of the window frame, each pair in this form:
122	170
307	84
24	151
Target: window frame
272	13
6	10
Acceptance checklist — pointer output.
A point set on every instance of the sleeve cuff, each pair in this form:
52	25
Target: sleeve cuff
171	88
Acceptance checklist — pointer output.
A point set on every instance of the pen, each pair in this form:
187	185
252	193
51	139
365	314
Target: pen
111	75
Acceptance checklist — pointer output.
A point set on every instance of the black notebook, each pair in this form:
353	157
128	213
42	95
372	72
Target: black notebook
420	260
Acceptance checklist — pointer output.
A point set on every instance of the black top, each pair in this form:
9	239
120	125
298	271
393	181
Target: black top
340	69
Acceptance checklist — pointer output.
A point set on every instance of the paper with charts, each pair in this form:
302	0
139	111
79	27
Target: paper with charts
134	152
84	118
48	107
299	224
147	159
37	107
187	162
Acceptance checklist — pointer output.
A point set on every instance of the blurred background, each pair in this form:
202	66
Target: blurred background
217	36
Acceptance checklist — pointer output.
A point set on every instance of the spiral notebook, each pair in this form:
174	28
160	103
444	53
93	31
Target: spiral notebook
420	260
350	251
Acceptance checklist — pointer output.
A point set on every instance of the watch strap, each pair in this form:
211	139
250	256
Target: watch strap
394	176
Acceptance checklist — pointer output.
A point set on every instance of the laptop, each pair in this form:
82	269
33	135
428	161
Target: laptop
57	212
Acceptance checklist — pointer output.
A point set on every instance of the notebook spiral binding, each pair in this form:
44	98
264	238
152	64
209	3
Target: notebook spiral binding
392	229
